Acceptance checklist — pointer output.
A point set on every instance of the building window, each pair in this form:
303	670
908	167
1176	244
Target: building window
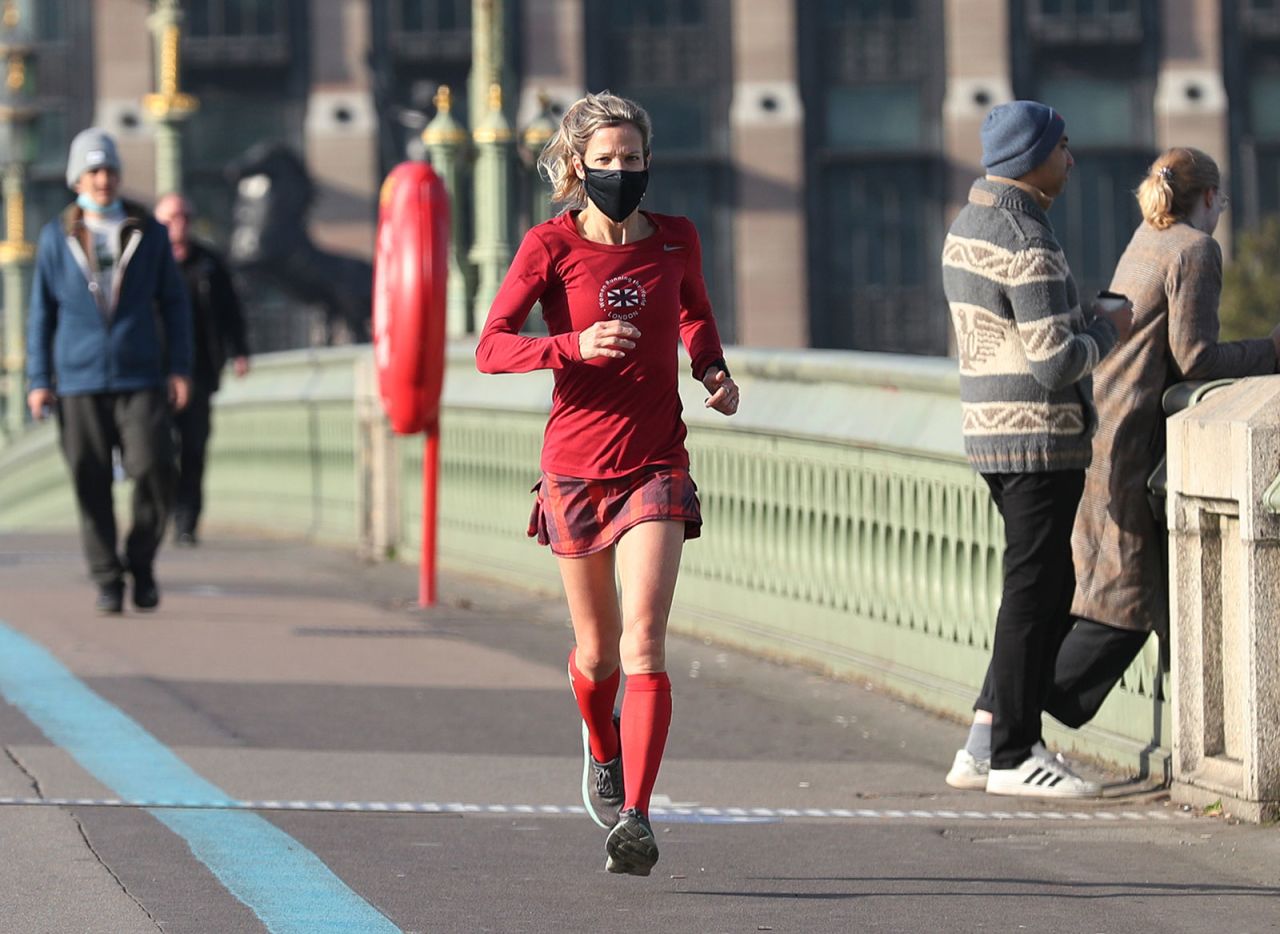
873	74
64	97
1260	17
673	58
1251	38
418	45
429	29
1095	62
237	31
246	61
1075	21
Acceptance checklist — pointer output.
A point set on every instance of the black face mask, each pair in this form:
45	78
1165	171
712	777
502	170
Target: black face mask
617	194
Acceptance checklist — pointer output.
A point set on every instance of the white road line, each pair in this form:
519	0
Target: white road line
728	815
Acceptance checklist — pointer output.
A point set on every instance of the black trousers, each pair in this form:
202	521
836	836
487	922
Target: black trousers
1039	510
194	423
1091	660
138	423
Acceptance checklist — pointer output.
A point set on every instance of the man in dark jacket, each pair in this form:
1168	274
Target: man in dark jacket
218	327
109	349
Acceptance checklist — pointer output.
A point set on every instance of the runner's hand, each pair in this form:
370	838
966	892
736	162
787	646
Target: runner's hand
607	339
724	391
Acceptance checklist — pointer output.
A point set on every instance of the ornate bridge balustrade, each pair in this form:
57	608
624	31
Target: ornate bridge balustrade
843	527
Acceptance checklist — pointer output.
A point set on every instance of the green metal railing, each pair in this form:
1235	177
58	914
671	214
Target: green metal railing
843	526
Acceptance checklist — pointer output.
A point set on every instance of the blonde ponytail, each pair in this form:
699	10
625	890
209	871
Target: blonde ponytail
1173	183
577	126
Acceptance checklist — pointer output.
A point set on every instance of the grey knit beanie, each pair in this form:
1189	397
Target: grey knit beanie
91	149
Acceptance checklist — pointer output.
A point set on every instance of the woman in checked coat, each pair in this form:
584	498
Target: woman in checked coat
1172	273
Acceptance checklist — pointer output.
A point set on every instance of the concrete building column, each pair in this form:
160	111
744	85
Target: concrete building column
1224	558
341	128
1191	97
123	74
552	56
979	76
766	119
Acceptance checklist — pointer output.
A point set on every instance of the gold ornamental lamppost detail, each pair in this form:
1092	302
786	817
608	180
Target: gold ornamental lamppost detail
168	106
17	144
495	152
446	142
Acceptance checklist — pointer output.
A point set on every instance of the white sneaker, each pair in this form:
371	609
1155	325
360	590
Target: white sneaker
1041	775
968	772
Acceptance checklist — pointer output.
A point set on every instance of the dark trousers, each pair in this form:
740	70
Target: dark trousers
1039	510
137	423
1090	662
194	423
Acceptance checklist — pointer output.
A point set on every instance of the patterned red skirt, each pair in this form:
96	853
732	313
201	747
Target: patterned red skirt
579	517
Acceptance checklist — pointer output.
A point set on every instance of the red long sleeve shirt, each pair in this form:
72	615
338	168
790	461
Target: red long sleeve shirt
609	416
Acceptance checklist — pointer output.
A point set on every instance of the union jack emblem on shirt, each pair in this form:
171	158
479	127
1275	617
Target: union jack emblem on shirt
622	297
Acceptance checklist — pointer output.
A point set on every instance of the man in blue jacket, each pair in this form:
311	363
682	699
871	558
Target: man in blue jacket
109	349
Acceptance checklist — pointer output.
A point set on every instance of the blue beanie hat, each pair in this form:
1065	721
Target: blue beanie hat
1018	136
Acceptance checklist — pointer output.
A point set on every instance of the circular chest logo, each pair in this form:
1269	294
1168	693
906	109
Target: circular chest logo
622	297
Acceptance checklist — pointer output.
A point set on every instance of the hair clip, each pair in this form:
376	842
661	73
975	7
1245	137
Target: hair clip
1166	173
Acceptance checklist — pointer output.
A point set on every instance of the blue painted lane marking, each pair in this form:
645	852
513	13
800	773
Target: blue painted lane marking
282	882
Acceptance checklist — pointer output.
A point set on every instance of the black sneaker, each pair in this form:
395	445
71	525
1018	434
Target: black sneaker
602	790
631	845
110	598
146	595
185	539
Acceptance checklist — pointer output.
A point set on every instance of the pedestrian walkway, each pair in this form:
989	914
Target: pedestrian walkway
418	771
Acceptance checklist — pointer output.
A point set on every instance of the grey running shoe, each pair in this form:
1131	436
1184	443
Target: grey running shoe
602	792
631	845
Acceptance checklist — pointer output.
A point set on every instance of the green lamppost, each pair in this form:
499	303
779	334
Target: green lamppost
494	153
446	143
488	55
535	136
17	145
168	107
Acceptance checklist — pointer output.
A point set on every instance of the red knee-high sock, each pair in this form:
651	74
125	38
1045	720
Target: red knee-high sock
595	701
646	719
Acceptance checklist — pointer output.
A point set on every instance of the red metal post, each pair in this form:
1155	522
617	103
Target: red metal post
430	482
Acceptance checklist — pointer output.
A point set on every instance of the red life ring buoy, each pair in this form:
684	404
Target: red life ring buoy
410	270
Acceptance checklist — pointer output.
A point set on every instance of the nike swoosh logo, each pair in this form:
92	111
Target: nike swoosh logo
672	247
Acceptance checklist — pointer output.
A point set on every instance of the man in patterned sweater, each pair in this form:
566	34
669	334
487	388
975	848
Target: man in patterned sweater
1026	351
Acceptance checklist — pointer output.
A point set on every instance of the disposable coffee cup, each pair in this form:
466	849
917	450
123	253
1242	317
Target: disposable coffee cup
1111	301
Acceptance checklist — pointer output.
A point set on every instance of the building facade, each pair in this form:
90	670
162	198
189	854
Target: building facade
821	146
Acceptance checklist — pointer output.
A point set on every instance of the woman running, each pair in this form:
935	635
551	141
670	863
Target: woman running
618	288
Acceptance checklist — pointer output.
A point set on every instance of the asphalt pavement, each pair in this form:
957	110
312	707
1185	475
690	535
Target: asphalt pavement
288	744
